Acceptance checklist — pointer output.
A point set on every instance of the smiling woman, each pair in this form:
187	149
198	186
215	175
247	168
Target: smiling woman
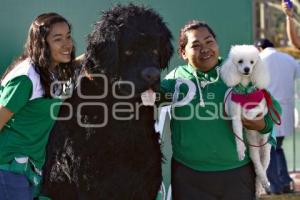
205	164
26	104
60	43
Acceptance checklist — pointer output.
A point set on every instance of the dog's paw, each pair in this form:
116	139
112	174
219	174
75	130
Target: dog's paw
241	155
241	148
148	97
259	190
263	180
266	185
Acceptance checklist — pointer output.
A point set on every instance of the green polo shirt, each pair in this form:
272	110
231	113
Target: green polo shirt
27	132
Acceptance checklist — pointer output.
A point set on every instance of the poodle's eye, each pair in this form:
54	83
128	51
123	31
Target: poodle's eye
240	61
155	51
128	52
251	61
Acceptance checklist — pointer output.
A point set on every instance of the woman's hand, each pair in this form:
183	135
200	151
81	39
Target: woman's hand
256	124
288	11
5	115
79	59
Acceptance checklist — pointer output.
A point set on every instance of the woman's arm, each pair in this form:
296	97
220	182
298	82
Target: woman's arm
264	124
5	115
14	96
290	25
291	32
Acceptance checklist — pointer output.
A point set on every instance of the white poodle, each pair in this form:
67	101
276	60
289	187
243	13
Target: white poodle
245	73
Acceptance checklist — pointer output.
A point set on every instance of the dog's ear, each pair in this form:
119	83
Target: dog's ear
102	50
229	73
166	47
260	76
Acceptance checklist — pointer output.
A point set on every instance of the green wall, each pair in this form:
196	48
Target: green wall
231	20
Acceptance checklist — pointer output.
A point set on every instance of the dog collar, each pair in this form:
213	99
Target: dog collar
240	89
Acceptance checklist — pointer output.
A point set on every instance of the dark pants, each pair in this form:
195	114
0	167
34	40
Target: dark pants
234	184
277	172
14	187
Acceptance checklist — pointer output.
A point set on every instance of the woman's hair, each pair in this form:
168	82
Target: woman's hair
192	25
38	51
264	43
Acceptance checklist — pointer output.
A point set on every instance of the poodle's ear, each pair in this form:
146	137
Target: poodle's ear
229	73
260	76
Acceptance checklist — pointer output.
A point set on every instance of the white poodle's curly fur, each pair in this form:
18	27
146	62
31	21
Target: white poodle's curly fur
242	67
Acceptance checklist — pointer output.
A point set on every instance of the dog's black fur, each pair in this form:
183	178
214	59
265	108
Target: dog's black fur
122	160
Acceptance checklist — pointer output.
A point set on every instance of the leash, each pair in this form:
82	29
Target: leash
247	143
225	100
269	105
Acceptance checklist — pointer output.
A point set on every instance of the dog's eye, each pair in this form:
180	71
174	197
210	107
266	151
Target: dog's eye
155	51
240	61
251	61
128	52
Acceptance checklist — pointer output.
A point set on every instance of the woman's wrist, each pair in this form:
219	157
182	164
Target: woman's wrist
289	17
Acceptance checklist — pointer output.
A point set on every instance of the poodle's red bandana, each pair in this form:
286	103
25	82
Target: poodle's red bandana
248	101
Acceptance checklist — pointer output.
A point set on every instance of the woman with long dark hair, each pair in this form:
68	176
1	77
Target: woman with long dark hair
29	102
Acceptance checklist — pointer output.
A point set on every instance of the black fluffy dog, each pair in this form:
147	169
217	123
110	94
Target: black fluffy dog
109	149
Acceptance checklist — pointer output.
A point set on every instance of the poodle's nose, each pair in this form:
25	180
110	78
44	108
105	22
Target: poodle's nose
246	70
151	74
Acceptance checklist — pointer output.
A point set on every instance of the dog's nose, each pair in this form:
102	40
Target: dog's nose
246	70
151	74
